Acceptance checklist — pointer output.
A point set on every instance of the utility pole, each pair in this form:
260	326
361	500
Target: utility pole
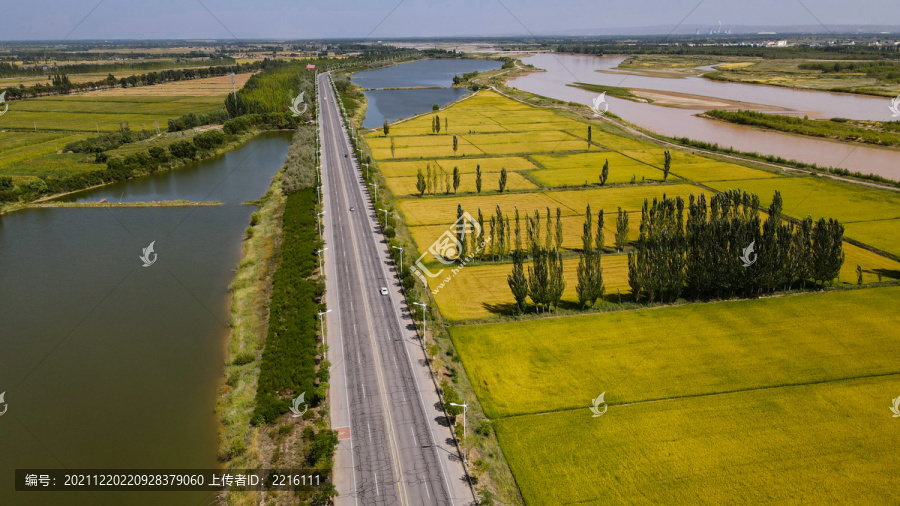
320	259
401	259
319	223
465	408
322	324
424	306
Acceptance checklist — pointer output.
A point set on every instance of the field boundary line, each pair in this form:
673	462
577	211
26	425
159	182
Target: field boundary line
713	394
775	295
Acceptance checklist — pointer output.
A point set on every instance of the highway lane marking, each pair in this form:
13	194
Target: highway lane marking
378	372
376	483
326	196
430	432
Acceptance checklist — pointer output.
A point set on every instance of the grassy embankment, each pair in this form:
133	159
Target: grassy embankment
867	132
275	351
498	134
867	74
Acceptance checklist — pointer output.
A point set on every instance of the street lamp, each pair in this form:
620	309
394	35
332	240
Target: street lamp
322	323
320	259
376	191
424	306
367	169
401	259
319	223
319	188
385	216
465	407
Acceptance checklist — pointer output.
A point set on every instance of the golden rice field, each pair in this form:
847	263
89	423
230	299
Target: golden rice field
722	399
869	215
775	400
831	443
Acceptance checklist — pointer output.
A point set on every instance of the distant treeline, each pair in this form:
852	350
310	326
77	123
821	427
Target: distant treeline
838	52
881	70
61	84
14	70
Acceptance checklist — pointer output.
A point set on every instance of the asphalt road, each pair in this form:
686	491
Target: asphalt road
395	447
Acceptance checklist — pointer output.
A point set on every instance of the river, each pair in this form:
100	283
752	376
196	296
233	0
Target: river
677	122
109	364
435	74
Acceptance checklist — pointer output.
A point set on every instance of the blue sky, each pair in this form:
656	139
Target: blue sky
279	19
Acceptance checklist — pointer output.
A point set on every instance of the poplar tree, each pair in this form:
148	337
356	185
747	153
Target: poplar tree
455	144
588	137
386	127
456	179
518	282
502	179
478	178
667	164
429	179
420	182
461	230
621	229
604	174
548	235
392	147
559	229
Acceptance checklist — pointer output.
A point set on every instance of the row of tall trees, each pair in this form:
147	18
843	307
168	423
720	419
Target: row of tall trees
723	248
440	181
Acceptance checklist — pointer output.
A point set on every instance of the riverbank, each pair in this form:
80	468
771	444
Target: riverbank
885	134
238	141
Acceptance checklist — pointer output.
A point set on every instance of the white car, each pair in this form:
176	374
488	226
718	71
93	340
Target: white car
384	290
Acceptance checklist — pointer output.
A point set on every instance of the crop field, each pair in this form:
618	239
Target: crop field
689	350
76	113
34	131
28	154
442	210
869	215
697	168
882	234
572	225
829	443
406	186
480	290
465	165
574	169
